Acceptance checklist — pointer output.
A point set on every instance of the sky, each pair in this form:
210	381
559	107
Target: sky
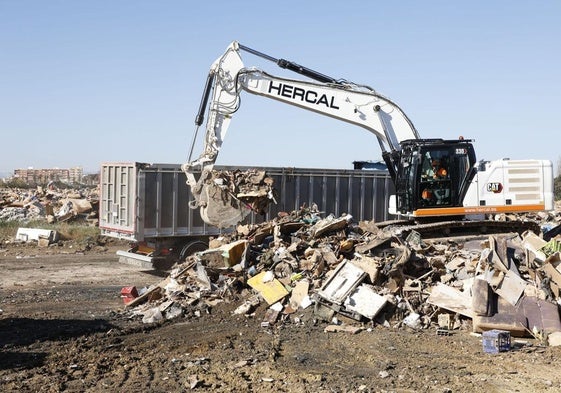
88	82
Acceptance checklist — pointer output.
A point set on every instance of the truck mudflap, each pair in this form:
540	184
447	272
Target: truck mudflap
149	262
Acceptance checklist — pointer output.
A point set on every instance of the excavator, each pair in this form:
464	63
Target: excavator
435	179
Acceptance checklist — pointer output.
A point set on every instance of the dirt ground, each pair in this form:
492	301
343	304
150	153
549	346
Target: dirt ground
62	328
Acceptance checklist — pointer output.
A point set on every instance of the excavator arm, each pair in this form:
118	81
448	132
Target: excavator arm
346	101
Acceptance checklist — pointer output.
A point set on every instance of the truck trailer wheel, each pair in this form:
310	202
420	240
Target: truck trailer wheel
192	247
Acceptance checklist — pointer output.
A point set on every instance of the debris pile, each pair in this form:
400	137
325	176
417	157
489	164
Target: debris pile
364	274
49	204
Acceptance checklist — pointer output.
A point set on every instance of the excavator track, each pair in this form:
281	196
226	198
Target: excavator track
402	228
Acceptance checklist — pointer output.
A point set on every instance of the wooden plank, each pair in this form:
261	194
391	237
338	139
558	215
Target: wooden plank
451	299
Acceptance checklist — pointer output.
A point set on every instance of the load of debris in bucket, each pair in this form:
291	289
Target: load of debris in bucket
336	269
227	197
49	204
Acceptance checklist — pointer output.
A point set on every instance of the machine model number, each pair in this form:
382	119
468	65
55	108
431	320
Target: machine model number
494	187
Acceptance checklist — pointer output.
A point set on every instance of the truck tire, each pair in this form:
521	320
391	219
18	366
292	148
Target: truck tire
192	247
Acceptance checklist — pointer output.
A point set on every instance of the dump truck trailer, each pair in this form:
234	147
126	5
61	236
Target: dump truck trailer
147	205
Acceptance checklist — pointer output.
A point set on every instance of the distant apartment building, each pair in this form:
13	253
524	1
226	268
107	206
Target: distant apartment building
44	176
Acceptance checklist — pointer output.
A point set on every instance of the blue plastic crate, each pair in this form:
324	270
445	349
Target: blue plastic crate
495	341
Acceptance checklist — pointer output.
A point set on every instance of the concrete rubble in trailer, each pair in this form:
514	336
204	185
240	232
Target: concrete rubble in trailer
305	267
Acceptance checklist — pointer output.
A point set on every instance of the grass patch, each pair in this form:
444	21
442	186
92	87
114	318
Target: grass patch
66	230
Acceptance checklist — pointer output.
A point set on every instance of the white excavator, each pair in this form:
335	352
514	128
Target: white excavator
435	179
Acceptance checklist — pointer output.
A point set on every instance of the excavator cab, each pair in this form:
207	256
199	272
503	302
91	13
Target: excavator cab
433	174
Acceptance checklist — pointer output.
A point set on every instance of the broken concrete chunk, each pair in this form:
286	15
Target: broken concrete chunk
445	321
369	265
152	315
413	320
80	205
247	306
534	243
299	294
368	226
455	264
554	339
329	256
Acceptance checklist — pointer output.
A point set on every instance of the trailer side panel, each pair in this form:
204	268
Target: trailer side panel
149	201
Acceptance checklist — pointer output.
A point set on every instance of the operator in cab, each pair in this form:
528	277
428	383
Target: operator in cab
439	170
436	170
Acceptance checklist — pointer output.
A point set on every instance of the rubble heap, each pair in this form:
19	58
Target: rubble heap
49	204
366	275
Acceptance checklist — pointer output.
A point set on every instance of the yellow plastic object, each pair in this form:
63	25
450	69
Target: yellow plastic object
271	290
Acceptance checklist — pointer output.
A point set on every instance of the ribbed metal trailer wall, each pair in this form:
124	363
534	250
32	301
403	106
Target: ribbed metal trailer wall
144	202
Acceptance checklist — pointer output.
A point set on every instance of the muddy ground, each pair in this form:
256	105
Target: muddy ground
62	328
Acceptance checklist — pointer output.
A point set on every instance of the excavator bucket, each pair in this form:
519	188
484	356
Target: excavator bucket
227	197
219	208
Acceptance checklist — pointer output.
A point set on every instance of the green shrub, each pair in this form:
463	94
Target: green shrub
17	183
